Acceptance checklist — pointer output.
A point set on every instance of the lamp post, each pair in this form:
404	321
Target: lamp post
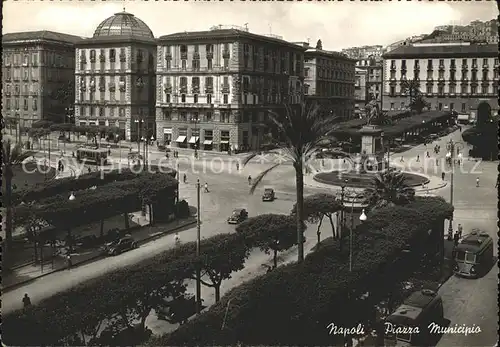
353	199
196	120
451	149
388	150
198	237
138	122
70	241
342	192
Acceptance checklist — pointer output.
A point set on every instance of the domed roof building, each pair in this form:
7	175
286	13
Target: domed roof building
123	24
115	77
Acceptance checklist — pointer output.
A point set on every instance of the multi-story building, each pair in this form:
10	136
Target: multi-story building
215	87
451	76
363	52
476	31
37	76
329	81
374	77
360	97
115	77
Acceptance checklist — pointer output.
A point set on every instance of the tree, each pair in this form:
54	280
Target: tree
270	232
319	44
411	88
388	189
11	156
302	130
418	103
318	206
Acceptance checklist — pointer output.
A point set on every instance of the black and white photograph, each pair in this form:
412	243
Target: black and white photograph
250	173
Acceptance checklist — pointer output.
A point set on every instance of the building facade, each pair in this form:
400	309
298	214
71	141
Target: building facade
374	77
115	77
215	87
451	76
360	89
329	81
364	52
37	76
476	31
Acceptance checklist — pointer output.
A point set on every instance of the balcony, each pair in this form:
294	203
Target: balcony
168	56
123	58
465	67
474	67
168	89
225	88
184	55
474	81
430	79
441	78
210	55
453	68
465	80
393	67
429	68
102	58
486	66
225	54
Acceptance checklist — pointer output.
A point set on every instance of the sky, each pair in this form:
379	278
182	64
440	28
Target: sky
338	24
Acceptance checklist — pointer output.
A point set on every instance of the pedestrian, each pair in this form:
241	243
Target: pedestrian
109	151
456	238
249	180
460	230
89	169
418	158
477	181
442	176
400	160
437	162
177	239
206	187
26	301
496	184
237	166
427	154
68	259
460	128
184	177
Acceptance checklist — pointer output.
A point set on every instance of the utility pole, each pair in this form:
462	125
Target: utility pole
198	236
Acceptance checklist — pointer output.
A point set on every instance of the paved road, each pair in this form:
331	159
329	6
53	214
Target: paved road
468	302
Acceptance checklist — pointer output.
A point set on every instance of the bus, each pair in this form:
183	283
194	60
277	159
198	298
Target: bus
411	323
91	155
474	255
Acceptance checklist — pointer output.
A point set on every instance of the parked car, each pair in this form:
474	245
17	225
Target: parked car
238	216
123	244
268	194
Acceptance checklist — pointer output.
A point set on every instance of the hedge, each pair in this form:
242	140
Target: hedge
293	304
290	305
68	184
105	201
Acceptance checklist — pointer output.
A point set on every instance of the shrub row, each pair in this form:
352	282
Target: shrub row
115	301
68	184
116	197
295	303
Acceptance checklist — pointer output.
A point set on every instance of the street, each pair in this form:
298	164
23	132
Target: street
469	302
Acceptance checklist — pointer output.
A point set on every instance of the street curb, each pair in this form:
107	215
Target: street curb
89	260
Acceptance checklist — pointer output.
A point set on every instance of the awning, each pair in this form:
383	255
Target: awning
181	139
224	142
207	142
167	130
194	139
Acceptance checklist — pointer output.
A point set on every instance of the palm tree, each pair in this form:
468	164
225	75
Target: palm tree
388	189
11	156
301	129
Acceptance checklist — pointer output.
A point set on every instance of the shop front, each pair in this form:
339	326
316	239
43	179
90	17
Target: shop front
194	140
167	136
224	140
181	140
208	137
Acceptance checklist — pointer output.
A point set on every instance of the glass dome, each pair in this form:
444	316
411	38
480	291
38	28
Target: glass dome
123	24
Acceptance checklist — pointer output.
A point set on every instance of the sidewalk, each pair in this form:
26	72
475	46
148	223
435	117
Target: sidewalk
25	274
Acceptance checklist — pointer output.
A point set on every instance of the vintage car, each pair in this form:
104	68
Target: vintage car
238	216
121	245
268	194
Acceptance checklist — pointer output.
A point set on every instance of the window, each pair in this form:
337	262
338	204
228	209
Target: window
452	75
402	105
166	114
464	89
209	64
195	98
140	56
429	89
196	64
392	106
112	55
168	64
245	98
473	89
101	111
183	97
453	89
7	103
226	63
485	75
306	72
464	62
183	64
121	112
25	60
392	91
112	112
26	104
183	116
429	64
224	117
209	48
452	63
196	49
440	106
463	106
209	98
92	56
485	61
167	98
393	64
225	99
440	90
474	62
208	118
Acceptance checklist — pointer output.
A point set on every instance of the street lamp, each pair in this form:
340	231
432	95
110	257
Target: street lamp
342	192
138	122
363	216
70	248
198	240
71	197
196	120
353	199
451	151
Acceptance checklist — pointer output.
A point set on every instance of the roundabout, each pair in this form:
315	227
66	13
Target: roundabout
363	180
